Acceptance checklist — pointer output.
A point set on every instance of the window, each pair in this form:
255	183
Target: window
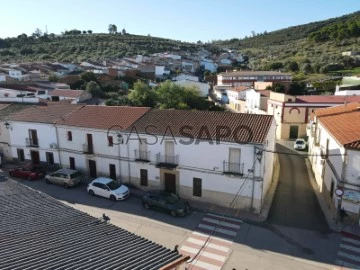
197	187
50	158
110	141
143	177
69	136
20	154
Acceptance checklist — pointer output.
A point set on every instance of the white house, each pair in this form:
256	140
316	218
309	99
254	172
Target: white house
33	135
2	77
334	149
256	101
203	88
184	76
77	96
16	74
208	65
236	97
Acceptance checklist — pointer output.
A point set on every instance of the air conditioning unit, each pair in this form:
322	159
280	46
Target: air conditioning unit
53	146
27	141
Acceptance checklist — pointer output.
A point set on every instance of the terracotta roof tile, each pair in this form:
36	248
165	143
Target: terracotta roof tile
66	93
337	109
104	117
253	73
327	99
49	113
244	128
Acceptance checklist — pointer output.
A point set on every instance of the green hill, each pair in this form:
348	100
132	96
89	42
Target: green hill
83	46
312	46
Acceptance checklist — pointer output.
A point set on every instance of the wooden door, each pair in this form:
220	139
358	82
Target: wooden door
112	170
92	168
143	177
293	132
35	157
170	183
72	163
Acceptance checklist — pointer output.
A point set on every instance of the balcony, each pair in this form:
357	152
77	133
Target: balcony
31	142
143	156
168	162
233	168
88	149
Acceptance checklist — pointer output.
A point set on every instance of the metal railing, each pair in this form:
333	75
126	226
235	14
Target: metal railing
31	142
233	168
142	155
88	148
165	159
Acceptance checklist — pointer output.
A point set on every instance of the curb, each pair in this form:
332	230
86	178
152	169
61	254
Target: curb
331	223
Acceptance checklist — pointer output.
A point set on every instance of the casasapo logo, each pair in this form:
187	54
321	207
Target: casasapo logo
184	135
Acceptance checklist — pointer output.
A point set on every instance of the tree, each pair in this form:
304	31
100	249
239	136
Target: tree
37	33
124	31
142	95
89	31
84	32
54	78
292	66
297	88
280	88
94	89
88	76
112	28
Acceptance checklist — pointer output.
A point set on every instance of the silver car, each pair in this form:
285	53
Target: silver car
64	177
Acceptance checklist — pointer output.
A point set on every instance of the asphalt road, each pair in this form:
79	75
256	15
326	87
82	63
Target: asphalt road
295	203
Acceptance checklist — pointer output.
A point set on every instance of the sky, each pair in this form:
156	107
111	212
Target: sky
185	20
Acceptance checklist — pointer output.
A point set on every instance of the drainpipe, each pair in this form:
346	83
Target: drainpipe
128	155
253	181
57	141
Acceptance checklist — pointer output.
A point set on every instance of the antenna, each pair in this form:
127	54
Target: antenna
46	31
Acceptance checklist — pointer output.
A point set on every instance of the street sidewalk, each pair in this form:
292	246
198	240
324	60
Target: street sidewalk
231	212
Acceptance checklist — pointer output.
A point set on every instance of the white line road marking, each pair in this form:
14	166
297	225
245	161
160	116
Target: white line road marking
348	265
350	248
201	242
224	231
212	237
204	253
222	223
206	265
350	240
348	256
225	218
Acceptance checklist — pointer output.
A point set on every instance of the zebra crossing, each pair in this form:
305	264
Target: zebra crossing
210	252
348	256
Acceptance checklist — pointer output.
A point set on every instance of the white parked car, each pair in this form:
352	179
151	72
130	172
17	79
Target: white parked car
108	188
300	144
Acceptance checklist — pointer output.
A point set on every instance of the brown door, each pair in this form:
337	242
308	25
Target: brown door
90	143
72	163
92	168
143	177
170	183
112	170
35	157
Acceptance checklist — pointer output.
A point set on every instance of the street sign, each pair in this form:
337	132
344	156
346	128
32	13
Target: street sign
339	192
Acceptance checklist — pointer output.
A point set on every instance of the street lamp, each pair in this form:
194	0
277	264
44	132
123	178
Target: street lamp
259	154
120	140
7	125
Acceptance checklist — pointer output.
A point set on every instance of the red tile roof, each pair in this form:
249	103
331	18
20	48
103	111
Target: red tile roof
244	128
343	123
66	93
240	88
327	99
104	117
49	113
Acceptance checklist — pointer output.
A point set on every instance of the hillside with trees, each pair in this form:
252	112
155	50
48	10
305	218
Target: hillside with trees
76	46
310	48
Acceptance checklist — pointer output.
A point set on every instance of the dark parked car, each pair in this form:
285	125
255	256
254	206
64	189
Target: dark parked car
30	172
167	202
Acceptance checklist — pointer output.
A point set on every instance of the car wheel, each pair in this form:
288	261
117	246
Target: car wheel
47	181
146	206
91	193
11	174
173	213
66	186
113	198
29	178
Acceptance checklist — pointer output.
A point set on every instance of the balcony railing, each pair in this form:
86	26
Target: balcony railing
88	148
233	168
142	156
167	161
31	142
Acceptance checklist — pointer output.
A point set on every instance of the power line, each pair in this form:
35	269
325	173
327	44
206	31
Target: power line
223	215
300	155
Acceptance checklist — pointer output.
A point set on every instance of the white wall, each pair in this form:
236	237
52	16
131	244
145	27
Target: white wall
15	74
2	77
202	87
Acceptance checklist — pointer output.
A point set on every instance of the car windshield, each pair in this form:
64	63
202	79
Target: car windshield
75	175
113	185
299	142
172	199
